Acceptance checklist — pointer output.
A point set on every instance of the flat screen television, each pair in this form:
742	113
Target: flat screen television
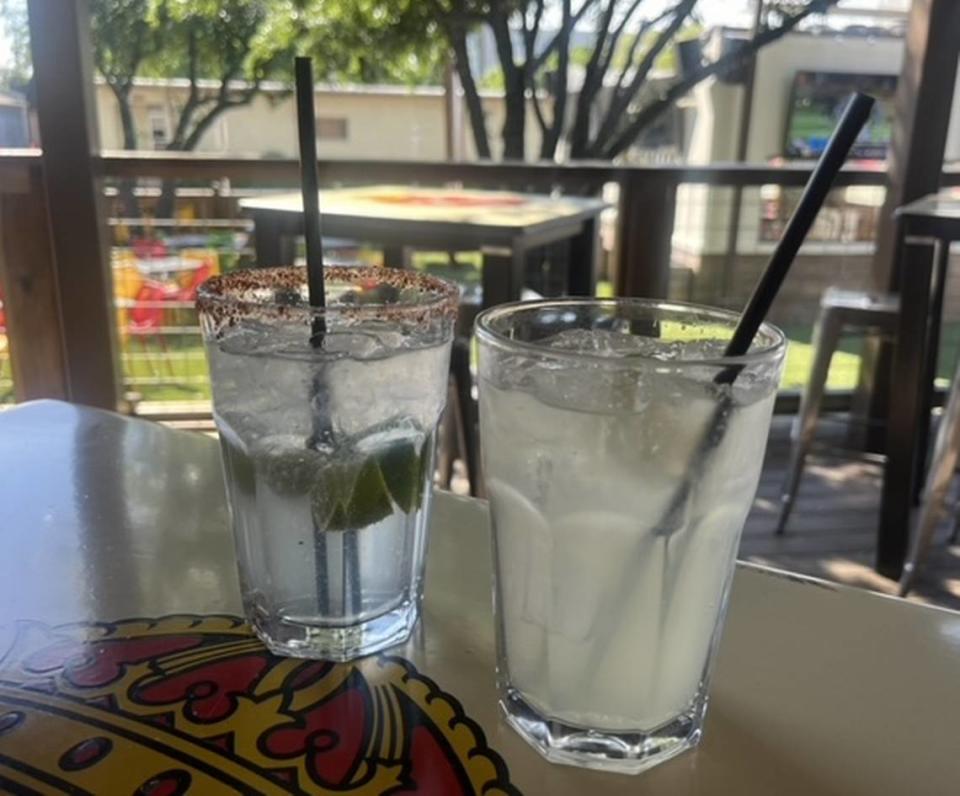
816	103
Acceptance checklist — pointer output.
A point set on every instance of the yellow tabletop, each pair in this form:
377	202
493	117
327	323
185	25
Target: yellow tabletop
436	205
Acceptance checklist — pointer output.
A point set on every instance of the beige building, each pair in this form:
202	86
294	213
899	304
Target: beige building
840	248
713	118
382	122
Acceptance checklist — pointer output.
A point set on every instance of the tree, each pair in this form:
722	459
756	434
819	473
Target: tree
226	49
614	103
233	43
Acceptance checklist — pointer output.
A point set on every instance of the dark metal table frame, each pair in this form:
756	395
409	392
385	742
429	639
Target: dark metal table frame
504	248
923	238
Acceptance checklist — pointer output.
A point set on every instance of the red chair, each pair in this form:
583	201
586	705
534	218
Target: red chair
146	319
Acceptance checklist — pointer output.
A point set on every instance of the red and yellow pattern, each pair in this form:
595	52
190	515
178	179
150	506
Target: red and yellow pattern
188	704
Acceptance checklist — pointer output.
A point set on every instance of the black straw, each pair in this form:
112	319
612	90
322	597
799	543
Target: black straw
322	429
818	186
310	189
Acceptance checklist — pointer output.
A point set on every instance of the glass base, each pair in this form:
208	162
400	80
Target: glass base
624	752
309	637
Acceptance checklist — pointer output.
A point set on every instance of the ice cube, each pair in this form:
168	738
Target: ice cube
610	343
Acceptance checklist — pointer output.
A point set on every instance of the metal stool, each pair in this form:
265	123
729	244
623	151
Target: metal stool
840	312
942	467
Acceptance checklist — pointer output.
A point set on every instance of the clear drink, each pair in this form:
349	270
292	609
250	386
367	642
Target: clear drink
620	473
327	439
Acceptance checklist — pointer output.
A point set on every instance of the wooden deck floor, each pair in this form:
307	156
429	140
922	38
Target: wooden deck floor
832	533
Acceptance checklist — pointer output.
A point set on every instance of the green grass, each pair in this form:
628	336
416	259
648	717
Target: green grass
176	373
845	367
184	365
180	373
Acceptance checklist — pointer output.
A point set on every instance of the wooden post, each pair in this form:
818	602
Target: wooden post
743	140
645	229
923	101
30	291
63	76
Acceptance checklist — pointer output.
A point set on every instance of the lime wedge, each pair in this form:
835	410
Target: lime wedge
348	495
349	489
402	472
352	494
370	501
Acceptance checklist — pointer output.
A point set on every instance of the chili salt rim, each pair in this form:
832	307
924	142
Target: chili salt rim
226	299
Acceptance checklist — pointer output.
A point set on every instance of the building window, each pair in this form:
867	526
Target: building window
331	129
159	126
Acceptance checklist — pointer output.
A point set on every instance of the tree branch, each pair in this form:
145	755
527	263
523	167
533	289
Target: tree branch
224	102
637	41
621	100
504	43
629	134
514	84
548	146
611	48
530	33
193	98
461	62
592	83
552	45
538	112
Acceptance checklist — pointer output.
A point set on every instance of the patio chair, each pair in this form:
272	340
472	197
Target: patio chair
946	450
841	312
146	319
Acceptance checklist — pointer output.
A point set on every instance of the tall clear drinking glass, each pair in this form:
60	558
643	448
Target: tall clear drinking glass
326	420
621	451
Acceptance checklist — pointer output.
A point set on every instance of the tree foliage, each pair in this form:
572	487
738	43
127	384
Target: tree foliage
15	69
588	101
613	102
237	45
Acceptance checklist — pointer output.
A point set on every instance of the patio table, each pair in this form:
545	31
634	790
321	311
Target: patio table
925	230
124	664
503	225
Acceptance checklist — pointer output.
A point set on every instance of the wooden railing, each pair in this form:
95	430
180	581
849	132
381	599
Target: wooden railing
28	272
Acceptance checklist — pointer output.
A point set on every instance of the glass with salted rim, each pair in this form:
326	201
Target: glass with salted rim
327	421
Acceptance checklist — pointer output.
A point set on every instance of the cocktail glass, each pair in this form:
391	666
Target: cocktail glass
621	451
327	421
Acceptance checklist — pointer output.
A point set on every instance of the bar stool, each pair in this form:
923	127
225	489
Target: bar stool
841	311
946	450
